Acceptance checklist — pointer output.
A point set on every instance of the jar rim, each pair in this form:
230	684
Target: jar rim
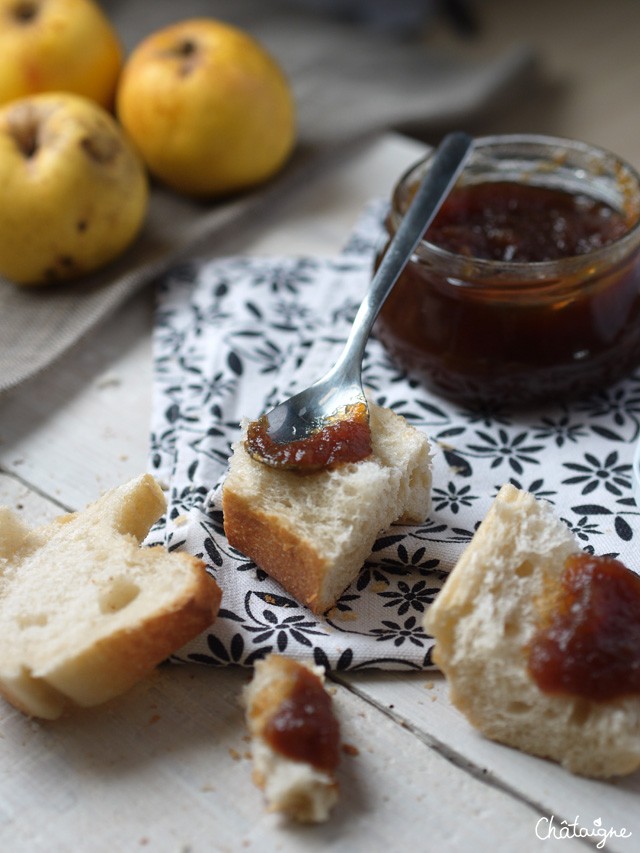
539	270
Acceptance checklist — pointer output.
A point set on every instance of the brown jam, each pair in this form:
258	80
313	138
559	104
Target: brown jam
590	646
519	295
504	221
346	437
304	727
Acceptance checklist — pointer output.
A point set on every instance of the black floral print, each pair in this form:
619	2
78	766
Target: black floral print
236	335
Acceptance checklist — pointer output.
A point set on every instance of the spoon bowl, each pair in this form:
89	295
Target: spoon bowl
279	437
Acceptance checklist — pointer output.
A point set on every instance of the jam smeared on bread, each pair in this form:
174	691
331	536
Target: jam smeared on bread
345	437
304	727
509	584
295	738
590	646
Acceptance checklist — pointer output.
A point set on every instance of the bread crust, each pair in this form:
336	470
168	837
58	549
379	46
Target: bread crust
283	555
117	662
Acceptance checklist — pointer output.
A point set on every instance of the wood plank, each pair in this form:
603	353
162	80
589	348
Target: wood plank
83	425
421	702
167	768
31	507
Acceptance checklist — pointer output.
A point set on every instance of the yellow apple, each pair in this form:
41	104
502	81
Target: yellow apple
209	109
57	45
73	192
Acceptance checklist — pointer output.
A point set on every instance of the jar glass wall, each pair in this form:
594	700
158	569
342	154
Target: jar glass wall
518	333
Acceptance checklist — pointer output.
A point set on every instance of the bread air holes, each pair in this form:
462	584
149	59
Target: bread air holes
511	626
120	592
32	620
580	712
524	570
517	707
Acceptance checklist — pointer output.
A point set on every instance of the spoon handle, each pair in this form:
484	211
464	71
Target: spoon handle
443	171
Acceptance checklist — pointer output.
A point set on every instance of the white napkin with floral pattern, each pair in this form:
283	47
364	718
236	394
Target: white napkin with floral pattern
235	335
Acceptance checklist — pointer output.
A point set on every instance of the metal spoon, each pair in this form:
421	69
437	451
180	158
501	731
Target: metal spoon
341	388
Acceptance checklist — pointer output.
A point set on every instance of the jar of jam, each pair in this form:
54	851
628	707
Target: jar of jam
525	290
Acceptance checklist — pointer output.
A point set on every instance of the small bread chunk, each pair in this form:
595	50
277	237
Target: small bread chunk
313	532
85	611
483	622
296	787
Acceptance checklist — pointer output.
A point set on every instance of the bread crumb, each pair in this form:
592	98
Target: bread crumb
234	754
350	749
429	685
341	615
180	520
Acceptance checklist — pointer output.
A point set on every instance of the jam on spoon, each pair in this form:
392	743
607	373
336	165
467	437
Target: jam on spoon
341	438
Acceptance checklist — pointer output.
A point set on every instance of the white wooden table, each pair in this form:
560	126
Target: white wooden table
166	767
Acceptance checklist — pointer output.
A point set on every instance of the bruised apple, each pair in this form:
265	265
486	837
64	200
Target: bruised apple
73	192
57	45
207	106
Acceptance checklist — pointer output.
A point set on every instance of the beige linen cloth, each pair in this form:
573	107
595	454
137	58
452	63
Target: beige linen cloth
349	84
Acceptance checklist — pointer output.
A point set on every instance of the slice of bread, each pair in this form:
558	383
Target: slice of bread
313	532
85	611
296	788
483	621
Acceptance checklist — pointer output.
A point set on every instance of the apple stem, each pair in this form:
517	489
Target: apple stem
25	11
186	48
26	138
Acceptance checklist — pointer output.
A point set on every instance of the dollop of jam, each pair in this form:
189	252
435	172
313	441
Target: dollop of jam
589	645
304	727
345	437
505	221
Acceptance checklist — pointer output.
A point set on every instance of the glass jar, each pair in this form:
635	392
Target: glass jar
513	333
